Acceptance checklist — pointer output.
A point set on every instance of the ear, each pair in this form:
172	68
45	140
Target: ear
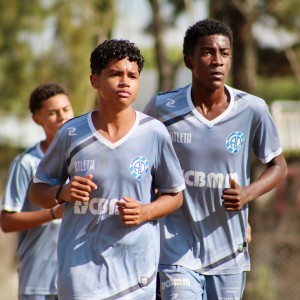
94	81
36	119
188	62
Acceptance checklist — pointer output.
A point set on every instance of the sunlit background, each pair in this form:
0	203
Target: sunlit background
51	40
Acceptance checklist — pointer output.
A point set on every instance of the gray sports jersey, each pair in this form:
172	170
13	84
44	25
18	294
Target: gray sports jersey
37	258
98	256
201	235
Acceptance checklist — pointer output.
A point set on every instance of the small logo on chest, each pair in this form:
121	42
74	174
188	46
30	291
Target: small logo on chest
235	141
139	167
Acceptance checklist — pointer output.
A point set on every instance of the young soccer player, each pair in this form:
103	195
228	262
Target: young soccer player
37	229
214	129
116	158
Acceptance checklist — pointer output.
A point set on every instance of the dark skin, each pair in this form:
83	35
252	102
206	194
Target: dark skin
210	65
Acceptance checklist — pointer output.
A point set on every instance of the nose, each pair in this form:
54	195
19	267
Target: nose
125	81
218	59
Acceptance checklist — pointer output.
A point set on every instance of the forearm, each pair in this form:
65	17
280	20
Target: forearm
18	221
42	195
269	179
163	205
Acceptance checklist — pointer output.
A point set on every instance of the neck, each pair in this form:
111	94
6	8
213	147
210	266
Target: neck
114	127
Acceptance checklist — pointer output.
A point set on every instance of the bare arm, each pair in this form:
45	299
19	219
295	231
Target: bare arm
78	188
132	212
18	221
236	197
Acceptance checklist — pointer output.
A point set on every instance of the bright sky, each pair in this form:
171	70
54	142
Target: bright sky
135	14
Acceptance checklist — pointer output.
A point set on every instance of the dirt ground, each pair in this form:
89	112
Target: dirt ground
8	268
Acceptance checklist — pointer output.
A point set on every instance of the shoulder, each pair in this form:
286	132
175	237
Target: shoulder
175	95
73	125
152	125
27	160
252	102
32	153
170	102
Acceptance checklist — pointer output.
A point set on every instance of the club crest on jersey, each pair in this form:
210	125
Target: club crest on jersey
139	167
235	141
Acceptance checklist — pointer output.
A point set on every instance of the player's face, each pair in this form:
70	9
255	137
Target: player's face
54	113
210	62
117	84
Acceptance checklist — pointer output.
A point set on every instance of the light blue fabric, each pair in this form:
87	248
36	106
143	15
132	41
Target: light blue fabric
99	256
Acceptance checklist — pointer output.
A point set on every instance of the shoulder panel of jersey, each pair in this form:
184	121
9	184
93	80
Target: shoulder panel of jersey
172	106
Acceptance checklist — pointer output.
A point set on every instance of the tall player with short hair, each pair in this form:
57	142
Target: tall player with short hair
116	158
37	229
214	129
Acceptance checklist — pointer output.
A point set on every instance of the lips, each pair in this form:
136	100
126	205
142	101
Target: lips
217	75
124	94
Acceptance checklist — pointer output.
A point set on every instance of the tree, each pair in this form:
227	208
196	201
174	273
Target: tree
16	21
167	67
73	29
241	15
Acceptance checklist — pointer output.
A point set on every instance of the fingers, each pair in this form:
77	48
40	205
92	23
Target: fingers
233	183
232	205
80	187
130	211
232	199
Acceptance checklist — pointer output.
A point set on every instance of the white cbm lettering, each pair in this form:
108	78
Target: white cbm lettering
97	206
215	180
194	178
211	180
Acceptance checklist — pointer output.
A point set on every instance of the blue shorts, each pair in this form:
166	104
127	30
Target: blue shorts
180	283
177	282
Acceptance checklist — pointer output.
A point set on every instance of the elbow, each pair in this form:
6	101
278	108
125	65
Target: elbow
31	194
180	200
4	224
285	171
5	229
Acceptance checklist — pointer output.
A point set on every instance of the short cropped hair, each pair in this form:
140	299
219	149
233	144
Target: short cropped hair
43	92
109	50
204	28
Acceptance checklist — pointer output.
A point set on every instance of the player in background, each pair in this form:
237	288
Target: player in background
37	229
116	158
214	129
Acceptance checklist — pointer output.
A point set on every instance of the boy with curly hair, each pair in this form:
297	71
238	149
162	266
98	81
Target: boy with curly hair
116	158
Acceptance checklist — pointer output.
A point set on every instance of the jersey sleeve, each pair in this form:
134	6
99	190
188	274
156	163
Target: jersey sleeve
266	143
19	178
168	175
52	169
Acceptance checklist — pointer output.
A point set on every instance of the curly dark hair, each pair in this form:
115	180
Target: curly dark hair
204	28
43	92
109	50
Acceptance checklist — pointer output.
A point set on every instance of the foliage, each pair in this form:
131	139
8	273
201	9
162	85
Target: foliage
73	29
278	88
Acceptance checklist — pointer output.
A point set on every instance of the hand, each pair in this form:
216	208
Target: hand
78	189
131	211
234	198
